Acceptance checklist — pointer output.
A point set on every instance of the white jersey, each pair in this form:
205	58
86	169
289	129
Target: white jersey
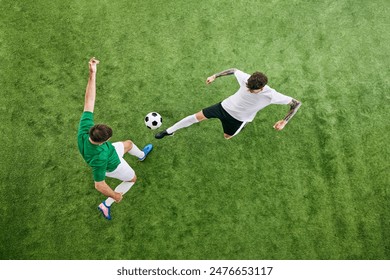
244	105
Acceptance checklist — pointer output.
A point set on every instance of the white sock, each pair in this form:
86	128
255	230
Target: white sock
187	121
135	151
123	188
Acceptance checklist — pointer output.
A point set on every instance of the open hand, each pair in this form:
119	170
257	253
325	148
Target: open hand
280	124
210	79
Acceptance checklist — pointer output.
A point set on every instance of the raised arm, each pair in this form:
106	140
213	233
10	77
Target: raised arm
90	92
294	106
220	74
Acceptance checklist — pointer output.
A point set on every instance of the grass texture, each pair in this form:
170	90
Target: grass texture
319	189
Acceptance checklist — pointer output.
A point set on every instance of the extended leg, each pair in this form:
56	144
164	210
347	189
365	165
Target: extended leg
186	122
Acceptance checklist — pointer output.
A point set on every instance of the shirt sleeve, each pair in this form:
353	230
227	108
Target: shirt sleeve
241	77
86	122
278	98
99	168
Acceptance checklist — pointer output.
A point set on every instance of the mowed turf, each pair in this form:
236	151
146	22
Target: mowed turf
319	189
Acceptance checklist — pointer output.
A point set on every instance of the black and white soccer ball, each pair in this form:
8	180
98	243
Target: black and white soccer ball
153	120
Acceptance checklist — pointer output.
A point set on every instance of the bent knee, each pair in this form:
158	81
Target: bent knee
200	116
134	179
227	136
128	145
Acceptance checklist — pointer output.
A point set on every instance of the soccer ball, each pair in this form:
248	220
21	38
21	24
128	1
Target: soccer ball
153	120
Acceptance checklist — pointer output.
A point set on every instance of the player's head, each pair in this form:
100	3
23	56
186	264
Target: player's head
100	133
256	82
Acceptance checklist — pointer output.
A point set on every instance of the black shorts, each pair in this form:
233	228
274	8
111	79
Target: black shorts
230	125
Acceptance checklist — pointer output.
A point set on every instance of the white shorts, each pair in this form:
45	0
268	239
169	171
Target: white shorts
123	172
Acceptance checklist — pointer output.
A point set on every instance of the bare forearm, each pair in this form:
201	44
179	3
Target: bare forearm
90	93
294	106
104	189
220	74
225	73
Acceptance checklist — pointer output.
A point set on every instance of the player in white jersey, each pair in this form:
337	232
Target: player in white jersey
240	108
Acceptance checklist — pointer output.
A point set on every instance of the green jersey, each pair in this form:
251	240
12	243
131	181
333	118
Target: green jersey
101	158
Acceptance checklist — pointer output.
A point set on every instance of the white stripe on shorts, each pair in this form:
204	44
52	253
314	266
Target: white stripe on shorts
240	128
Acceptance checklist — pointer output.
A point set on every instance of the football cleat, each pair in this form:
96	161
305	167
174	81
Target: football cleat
105	210
147	149
162	134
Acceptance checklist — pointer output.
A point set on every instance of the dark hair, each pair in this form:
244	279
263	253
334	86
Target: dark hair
256	81
100	133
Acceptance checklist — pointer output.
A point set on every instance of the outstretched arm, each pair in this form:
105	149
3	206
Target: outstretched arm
220	74
294	106
90	92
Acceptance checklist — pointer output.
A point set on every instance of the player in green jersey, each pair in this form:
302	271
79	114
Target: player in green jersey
106	159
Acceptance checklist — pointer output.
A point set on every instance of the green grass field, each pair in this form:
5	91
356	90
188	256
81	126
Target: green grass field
319	189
